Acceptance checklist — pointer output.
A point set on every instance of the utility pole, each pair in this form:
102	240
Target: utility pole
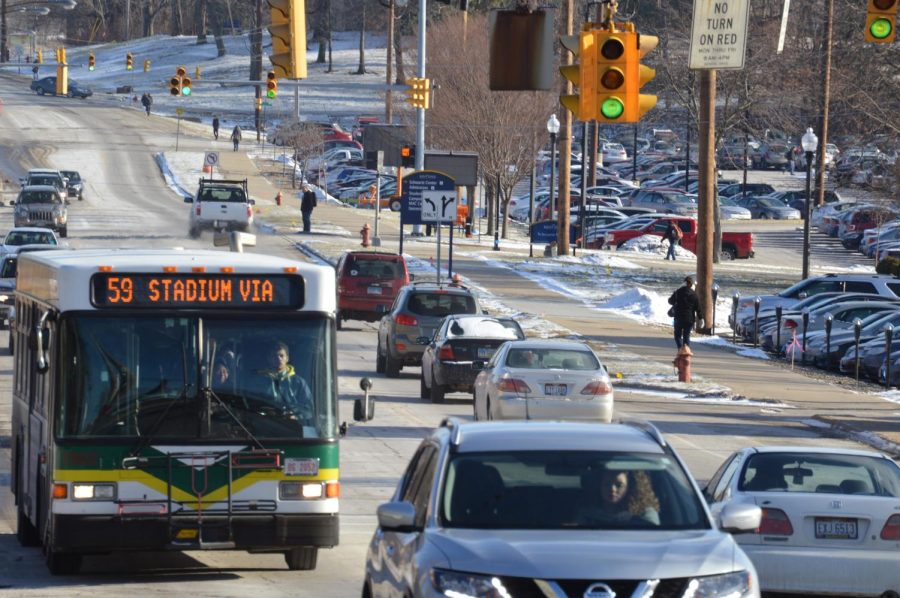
565	146
707	187
420	112
826	100
388	96
256	67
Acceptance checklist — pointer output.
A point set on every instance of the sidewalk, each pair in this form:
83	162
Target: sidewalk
793	394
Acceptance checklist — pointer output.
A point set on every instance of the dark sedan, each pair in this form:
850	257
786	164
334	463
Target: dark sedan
768	209
47	86
460	341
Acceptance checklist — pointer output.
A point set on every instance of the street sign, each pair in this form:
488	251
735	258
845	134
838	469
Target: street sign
719	34
439	206
544	232
179	111
417	183
211	159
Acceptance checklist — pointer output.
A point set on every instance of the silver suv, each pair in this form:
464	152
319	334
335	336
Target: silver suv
416	314
555	509
43	206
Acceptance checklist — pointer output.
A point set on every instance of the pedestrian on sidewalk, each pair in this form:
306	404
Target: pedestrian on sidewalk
215	127
673	235
686	311
790	161
146	102
236	136
307	203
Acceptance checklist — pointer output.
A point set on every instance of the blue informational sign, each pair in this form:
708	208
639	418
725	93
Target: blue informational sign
413	186
544	232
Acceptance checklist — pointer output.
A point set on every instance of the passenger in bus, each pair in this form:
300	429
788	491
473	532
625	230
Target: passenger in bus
221	376
284	386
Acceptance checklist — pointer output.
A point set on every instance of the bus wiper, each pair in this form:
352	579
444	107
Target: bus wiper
209	393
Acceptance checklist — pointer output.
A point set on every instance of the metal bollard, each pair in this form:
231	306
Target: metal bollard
715	297
805	328
888	341
735	298
829	320
778	311
756	302
857	328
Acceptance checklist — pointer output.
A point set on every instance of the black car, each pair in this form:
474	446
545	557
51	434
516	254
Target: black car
47	85
74	183
460	341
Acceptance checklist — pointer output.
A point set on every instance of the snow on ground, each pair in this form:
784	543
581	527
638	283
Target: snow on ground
639	304
655	245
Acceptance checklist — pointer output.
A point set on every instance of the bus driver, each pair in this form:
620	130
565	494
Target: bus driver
284	387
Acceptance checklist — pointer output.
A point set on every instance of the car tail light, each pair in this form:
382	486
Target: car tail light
249	212
891	529
446	353
405	320
513	385
197	210
597	387
790	324
775	522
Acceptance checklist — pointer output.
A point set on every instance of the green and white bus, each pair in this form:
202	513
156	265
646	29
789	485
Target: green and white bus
174	400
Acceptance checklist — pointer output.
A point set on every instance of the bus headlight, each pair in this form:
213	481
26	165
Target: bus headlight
93	491
301	490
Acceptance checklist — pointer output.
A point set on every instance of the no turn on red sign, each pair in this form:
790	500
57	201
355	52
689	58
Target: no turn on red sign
719	34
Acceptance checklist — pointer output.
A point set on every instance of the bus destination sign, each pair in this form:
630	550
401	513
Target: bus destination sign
223	291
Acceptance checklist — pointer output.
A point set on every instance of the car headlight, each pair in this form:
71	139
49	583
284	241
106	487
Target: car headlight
467	585
727	585
93	491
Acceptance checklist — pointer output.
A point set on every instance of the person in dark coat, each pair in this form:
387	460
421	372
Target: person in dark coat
146	102
236	136
673	236
307	203
215	124
686	311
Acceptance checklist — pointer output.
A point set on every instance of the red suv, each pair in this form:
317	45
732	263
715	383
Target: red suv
367	282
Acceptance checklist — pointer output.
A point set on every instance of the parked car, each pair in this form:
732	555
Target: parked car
860	220
666	202
768	209
730	210
771	155
826	351
417	312
47	86
46	176
74	184
41	206
543	379
447	363
733	157
737	190
823	509
843	314
734	244
516	509
613	152
367	284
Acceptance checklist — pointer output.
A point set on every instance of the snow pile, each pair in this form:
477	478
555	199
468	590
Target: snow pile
640	304
601	259
654	245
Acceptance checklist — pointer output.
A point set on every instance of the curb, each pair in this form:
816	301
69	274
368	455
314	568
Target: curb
845	430
313	253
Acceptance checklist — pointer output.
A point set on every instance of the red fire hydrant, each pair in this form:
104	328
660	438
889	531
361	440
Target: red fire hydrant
682	363
278	199
364	231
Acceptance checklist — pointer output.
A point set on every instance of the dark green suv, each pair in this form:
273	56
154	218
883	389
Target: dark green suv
410	325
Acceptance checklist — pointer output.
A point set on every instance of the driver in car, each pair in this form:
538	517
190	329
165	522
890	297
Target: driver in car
284	387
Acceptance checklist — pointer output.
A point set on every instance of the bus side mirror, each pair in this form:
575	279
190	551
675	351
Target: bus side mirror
42	344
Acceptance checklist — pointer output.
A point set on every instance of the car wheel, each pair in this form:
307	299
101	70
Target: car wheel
423	390
80	196
302	558
70	94
392	366
379	361
26	532
194	232
64	232
729	253
40	91
437	391
490	414
764	216
337	320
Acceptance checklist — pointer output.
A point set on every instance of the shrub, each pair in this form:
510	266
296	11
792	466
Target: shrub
889	265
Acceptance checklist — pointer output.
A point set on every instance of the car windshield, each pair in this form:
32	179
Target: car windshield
29	237
821	472
133	377
563	490
769	203
224	194
552	359
50	181
679	198
8	269
29	197
440	304
484	328
370	267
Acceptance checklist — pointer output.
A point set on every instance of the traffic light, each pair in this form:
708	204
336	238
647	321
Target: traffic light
92	62
288	30
638	75
408	156
881	21
583	76
62	73
185	86
271	85
129	62
176	83
60	56
147	66
419	93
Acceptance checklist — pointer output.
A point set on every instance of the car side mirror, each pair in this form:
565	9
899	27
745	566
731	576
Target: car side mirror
188	199
412	277
739	518
398	516
252	202
478	365
12	202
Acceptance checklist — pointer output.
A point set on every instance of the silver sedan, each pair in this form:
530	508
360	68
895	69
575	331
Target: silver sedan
544	379
830	521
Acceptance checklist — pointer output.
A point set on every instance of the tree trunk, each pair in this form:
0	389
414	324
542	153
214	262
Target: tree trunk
146	21
200	12
505	197
489	194
362	43
320	34
330	63
177	21
256	45
217	32
398	55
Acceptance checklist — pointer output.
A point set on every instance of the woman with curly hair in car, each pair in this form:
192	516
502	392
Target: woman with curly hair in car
620	498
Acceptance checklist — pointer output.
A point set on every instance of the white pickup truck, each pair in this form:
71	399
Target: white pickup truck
220	205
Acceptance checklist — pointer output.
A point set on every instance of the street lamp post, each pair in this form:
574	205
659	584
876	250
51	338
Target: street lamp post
5	7
809	142
553	129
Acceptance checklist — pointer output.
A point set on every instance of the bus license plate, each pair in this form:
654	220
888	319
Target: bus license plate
834	528
555	390
374	290
485	352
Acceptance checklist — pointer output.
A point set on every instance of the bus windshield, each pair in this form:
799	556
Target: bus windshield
196	378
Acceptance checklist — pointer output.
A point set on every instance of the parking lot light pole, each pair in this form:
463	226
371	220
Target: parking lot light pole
553	129
809	141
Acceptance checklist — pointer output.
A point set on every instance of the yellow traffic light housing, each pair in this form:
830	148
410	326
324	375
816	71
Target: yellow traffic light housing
62	73
185	86
419	93
583	75
176	83
271	85
612	75
129	61
92	62
881	21
288	30
637	75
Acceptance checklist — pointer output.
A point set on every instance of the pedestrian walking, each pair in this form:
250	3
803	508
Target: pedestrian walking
215	127
146	102
790	160
685	311
236	136
673	235
307	203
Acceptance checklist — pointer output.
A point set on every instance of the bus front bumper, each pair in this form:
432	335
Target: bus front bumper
271	532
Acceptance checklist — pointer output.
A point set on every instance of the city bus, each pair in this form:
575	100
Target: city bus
174	400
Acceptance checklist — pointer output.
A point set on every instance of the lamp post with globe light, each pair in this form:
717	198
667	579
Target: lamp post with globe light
809	142
553	129
27	5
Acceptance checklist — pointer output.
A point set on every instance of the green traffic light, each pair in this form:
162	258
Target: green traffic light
185	91
880	28
90	68
270	94
612	108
